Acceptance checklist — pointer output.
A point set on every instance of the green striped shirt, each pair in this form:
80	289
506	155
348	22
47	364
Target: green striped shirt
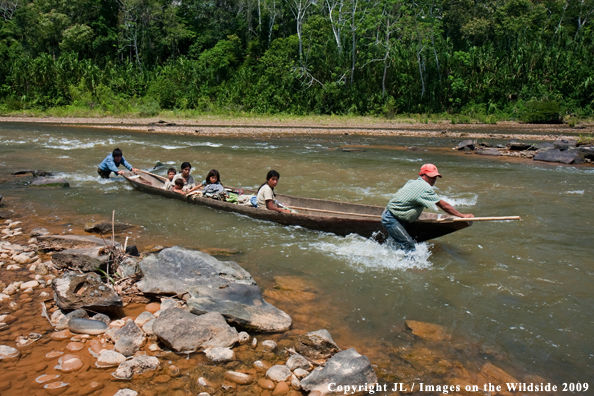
408	203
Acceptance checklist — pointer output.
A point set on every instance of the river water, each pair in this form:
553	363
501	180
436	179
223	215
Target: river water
520	289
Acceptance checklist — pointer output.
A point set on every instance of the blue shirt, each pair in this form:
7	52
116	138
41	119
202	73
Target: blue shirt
109	164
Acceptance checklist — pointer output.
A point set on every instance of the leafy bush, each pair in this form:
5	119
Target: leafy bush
149	107
542	112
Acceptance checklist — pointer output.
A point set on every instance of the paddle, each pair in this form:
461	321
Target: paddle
453	219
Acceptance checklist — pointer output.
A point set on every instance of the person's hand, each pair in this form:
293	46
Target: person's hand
467	216
120	172
135	169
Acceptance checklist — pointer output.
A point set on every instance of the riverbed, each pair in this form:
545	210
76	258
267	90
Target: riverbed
517	294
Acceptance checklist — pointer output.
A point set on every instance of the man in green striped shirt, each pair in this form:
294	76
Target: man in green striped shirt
408	204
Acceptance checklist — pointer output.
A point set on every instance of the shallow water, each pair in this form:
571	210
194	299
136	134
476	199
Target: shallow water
522	289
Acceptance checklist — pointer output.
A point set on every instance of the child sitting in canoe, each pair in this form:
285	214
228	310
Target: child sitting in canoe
169	183
266	198
178	186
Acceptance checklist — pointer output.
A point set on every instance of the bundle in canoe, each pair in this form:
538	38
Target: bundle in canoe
340	218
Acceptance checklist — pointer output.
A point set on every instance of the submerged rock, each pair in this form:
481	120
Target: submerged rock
427	331
345	368
49	182
564	144
220	354
489	151
278	373
514	145
83	259
72	290
7	352
39	232
316	345
61	242
183	331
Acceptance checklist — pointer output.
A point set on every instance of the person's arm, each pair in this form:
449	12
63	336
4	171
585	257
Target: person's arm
127	165
446	207
270	205
110	163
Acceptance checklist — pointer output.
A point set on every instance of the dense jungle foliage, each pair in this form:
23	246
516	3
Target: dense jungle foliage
487	58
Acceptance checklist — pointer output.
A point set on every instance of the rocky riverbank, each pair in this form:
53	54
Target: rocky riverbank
81	316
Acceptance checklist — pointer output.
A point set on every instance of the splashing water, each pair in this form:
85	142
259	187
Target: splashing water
365	254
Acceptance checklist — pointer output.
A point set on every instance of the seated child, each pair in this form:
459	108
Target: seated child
212	186
169	183
266	199
178	186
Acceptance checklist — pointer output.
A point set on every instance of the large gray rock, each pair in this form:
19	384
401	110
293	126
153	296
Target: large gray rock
564	144
49	182
241	305
175	270
467	145
183	331
489	151
128	339
138	365
316	345
85	259
514	145
554	155
61	242
73	290
345	368
586	152
34	172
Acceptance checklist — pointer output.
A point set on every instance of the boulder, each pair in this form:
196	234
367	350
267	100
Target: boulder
466	145
39	232
73	290
138	365
544	146
316	345
242	305
489	151
564	144
49	182
587	152
183	331
175	270
87	326
345	368
128	339
514	145
61	242
554	155
104	227
34	172
84	259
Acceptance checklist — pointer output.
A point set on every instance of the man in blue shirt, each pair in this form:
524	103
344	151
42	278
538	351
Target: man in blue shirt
111	164
408	203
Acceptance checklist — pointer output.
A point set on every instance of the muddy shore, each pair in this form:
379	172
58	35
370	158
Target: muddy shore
419	352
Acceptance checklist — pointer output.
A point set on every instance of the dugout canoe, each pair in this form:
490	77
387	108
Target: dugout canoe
340	218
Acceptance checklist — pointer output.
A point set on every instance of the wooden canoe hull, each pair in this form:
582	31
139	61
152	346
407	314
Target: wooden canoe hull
350	221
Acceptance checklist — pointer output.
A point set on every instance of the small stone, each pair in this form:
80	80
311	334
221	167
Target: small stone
243	337
143	318
13	267
116	324
53	354
220	354
75	346
44	295
87	326
281	389
239	378
7	352
153	307
269	345
297	361
68	363
137	365
29	284
254	342
301	373
163	378
109	358
46	377
126	392
265	384
41	269
102	318
295	383
61	335
261	366
278	373
154	348
148	327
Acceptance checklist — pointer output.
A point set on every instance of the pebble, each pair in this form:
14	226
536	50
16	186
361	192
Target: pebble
4	297
46	377
126	392
13	267
161	379
28	291
40	367
261	366
254	342
87	326
203	394
61	335
102	318
204	382
301	373
153	307
143	318
265	383
239	378
281	389
53	354
220	354
7	352
44	295
108	358
295	383
68	363
154	348
148	327
75	346
278	373
269	344
116	324
29	284
12	288
243	337
54	388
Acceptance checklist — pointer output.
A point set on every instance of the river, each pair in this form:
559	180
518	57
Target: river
520	289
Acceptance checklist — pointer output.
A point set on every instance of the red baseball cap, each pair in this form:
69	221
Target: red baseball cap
429	170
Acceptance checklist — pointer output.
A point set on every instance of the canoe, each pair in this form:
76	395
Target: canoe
340	218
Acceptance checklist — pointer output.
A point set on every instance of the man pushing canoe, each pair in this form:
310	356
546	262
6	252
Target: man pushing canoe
408	204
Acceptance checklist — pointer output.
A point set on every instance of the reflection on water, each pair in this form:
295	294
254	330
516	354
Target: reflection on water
520	289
